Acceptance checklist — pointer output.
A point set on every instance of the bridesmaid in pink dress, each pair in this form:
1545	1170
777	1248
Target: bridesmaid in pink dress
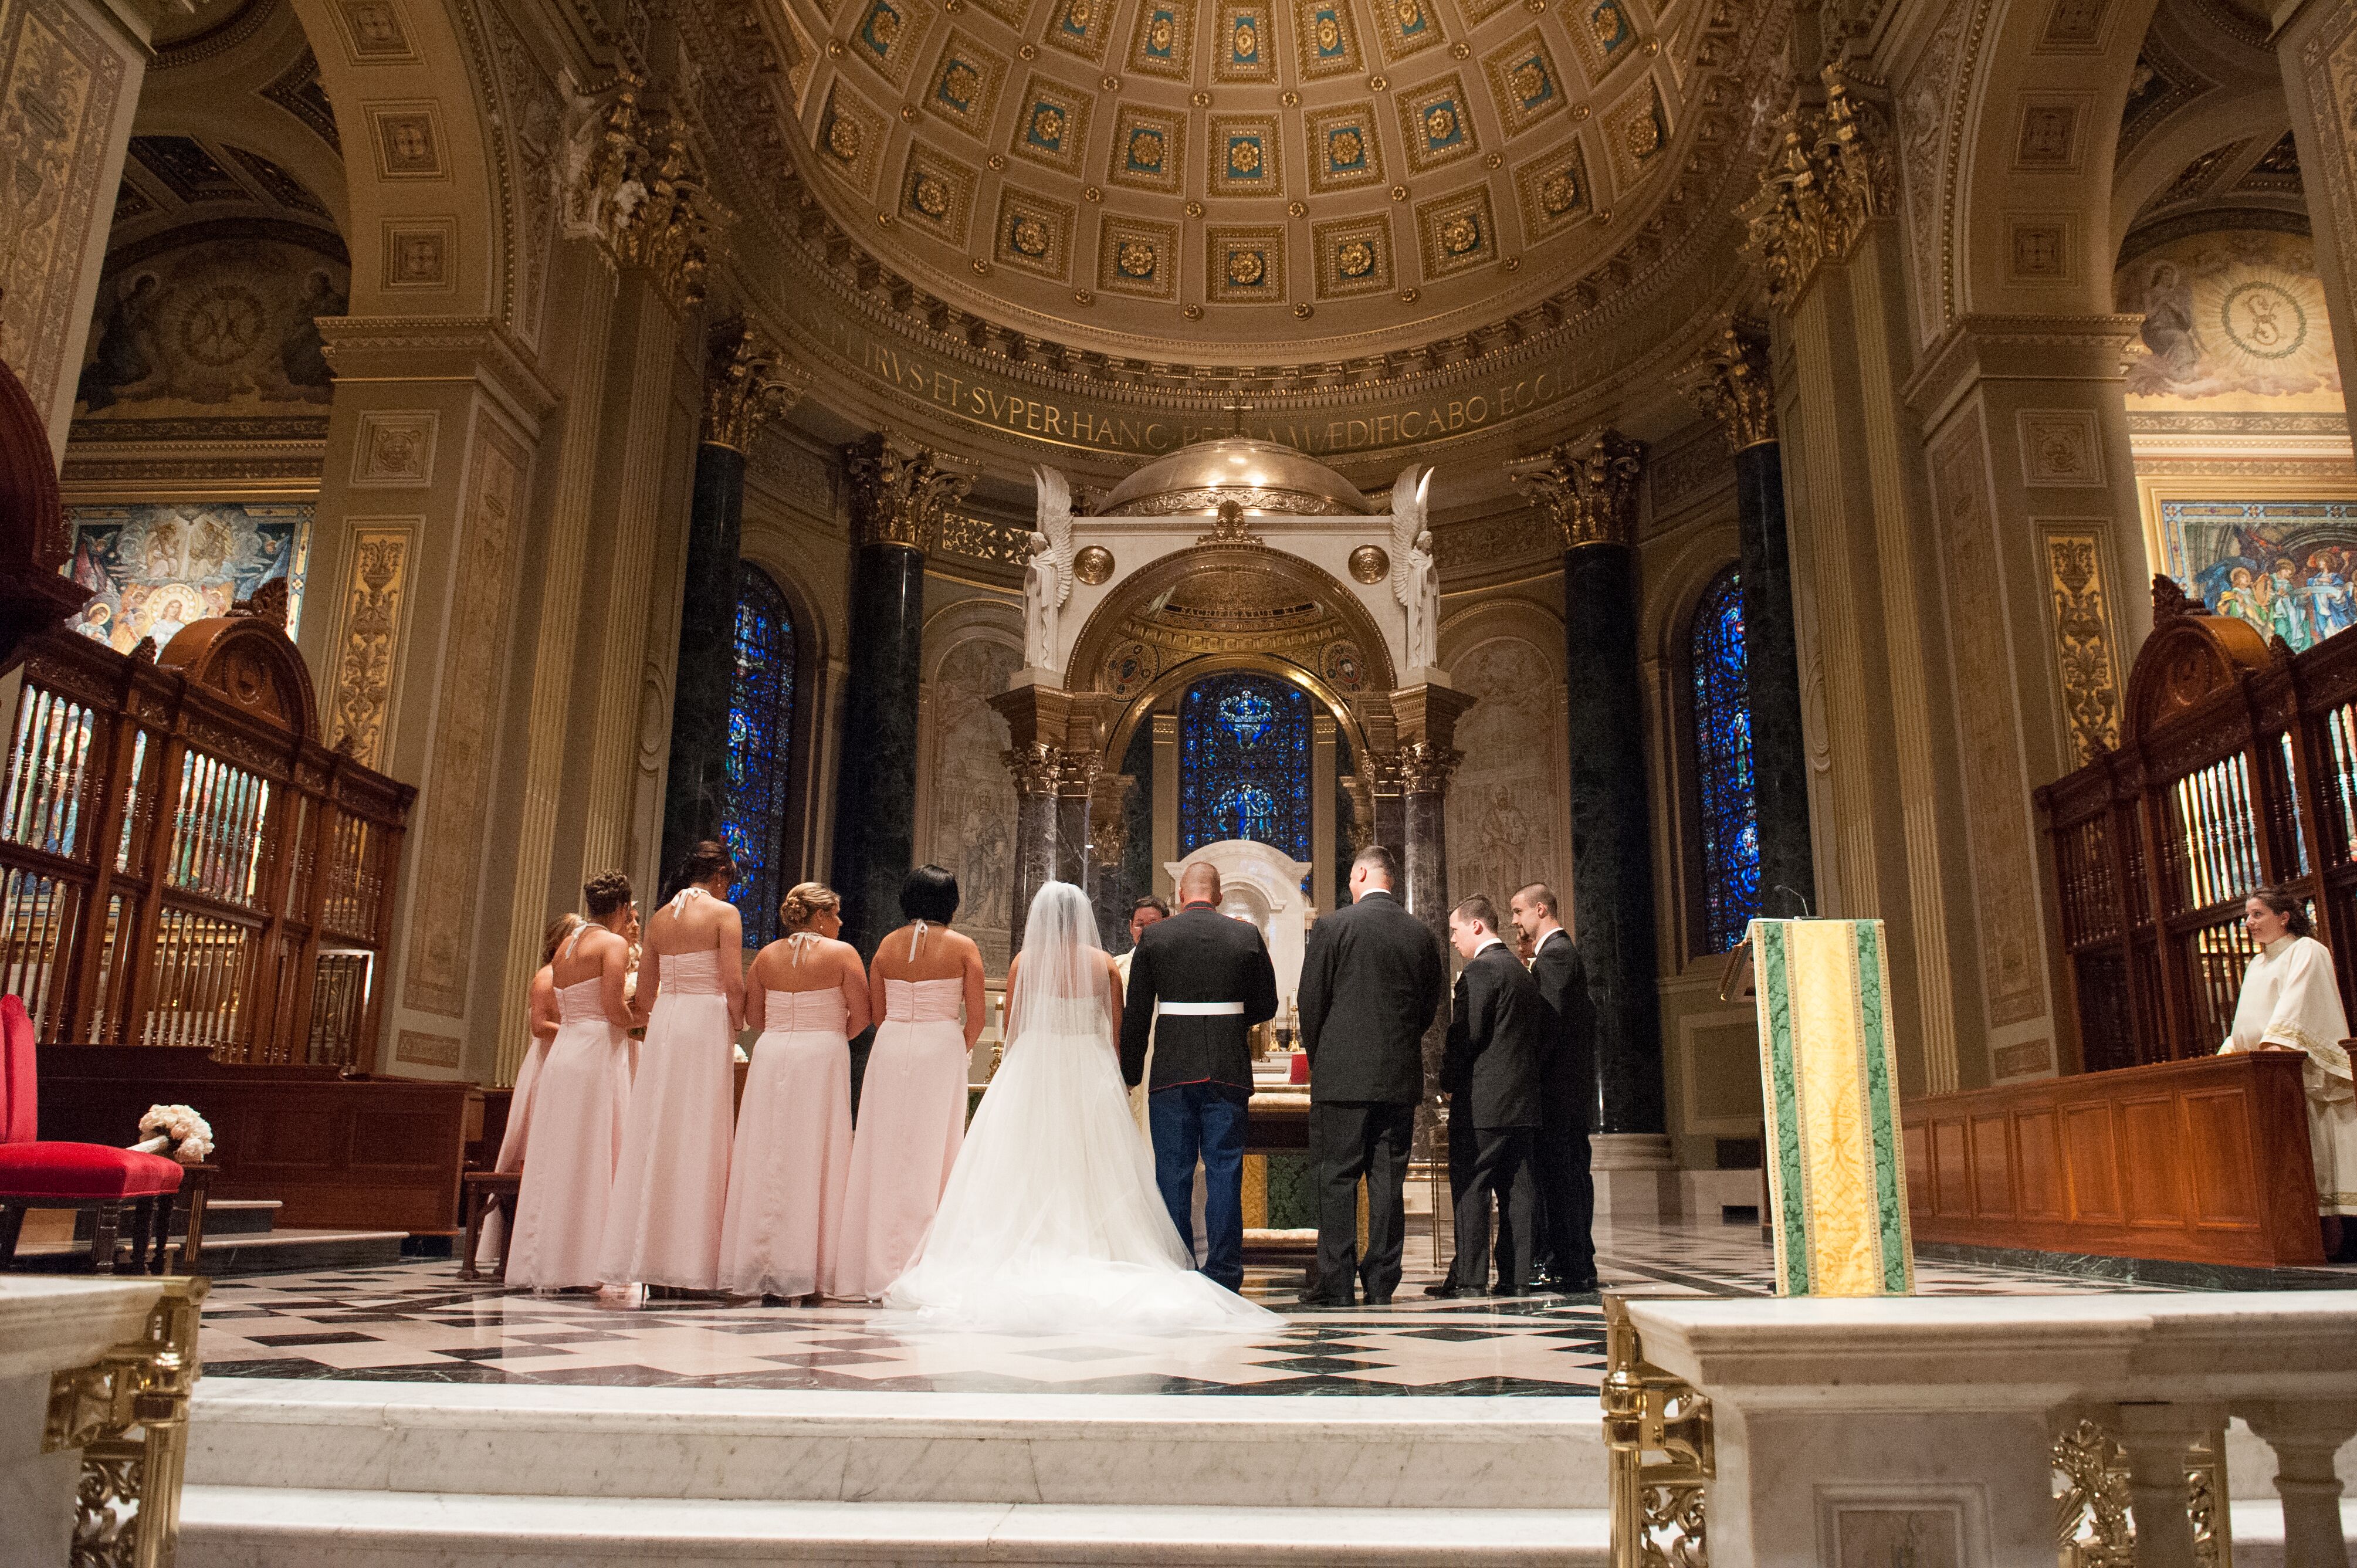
912	1099
577	1100
541	1008
662	1225
807	995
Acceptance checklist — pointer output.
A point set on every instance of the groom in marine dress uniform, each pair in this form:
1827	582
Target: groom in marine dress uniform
1199	982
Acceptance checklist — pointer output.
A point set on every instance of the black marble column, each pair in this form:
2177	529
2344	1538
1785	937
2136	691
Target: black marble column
695	796
876	784
1038	813
1780	759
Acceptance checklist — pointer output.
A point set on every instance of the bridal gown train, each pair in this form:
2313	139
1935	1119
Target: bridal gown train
578	1105
1051	1220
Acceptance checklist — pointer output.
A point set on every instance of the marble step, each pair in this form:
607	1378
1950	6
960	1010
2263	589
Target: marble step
223	1217
855	1446
257	1527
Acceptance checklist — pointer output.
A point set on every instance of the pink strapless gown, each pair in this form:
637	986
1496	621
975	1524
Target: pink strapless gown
911	1119
577	1109
662	1226
793	1162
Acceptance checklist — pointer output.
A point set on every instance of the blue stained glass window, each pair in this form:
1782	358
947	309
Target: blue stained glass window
1722	737
760	730
1243	763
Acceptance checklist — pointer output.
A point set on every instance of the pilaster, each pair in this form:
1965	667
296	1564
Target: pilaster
2316	47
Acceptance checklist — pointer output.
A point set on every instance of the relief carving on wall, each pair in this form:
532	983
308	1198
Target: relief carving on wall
973	827
1504	806
2082	642
372	607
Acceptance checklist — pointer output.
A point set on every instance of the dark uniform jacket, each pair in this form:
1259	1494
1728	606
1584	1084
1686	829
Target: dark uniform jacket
1370	983
1196	955
1496	1040
1567	1075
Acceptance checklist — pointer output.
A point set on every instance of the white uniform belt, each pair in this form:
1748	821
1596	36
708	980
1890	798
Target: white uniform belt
1201	1009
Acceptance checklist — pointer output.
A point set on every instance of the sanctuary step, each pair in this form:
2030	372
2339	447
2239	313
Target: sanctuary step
268	1252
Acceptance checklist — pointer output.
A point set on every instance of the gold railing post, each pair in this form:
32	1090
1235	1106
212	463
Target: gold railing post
2093	1523
1659	1508
127	1506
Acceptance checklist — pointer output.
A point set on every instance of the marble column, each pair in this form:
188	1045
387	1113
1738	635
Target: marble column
1732	384
748	384
897	494
1429	756
1587	489
1052	754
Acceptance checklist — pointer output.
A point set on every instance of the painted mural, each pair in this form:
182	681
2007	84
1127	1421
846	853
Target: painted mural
2285	566
155	569
973	794
2232	314
211	328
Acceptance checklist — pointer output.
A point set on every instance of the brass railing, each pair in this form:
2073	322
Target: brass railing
128	1414
1657	1432
2095	1526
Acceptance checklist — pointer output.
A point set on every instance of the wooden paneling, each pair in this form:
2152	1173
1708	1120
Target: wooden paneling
2200	1160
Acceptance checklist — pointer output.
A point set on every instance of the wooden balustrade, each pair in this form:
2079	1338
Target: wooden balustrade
183	862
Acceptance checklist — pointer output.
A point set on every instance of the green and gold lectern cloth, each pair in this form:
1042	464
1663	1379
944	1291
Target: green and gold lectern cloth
1837	1182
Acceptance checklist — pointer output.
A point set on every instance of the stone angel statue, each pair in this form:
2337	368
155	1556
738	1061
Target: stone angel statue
1415	577
1047	580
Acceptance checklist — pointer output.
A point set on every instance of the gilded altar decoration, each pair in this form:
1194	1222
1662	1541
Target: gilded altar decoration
898	494
1661	1453
372	607
642	190
2094	1511
1832	174
1093	566
1730	381
1587	488
127	1506
1370	564
749	382
2083	643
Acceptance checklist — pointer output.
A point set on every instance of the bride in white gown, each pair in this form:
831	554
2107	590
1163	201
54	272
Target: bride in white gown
1051	1219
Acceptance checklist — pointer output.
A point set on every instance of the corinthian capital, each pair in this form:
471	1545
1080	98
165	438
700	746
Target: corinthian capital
640	191
1830	174
1729	381
897	494
749	383
1586	487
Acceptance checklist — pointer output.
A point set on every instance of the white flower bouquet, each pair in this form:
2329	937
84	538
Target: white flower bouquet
175	1129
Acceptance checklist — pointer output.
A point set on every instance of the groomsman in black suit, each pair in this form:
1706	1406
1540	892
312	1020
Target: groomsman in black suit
1199	982
1496	1035
1567	1251
1371	982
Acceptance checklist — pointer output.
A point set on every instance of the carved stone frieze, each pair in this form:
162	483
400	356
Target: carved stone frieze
373	605
2082	642
641	191
1730	381
1832	173
898	494
750	382
1587	488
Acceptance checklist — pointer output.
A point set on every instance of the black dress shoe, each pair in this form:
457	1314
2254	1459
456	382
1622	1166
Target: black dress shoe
1449	1290
1377	1300
1585	1285
1327	1303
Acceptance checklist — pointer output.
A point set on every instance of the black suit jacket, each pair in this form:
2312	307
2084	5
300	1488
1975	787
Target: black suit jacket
1497	1040
1567	1076
1197	955
1370	983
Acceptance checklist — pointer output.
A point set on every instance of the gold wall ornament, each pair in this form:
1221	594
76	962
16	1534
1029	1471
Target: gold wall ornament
1586	487
749	383
1370	563
364	664
1659	1454
1426	766
1832	174
642	192
898	494
2082	642
1229	526
1093	566
1730	381
1038	768
127	1505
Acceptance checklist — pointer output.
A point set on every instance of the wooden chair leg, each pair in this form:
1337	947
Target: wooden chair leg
143	1227
507	1234
474	1233
160	1261
103	1233
12	1220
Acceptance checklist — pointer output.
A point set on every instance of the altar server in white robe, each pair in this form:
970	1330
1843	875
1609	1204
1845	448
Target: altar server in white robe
2291	1002
1142	914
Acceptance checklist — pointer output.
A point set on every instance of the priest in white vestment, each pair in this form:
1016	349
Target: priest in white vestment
1142	914
2291	1002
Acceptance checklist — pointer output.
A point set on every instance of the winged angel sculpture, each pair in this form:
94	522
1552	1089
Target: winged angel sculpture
1047	580
1415	578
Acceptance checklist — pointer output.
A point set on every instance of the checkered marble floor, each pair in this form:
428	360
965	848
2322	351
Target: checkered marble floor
418	1322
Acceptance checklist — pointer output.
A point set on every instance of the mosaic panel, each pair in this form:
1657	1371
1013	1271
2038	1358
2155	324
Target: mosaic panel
1354	256
852	136
1455	232
1138	257
1244	158
1163	41
888	36
1082	28
1553	192
1404	27
1244	265
965	84
1052	125
155	569
1327	37
1035	234
1244	49
1149	148
1435	126
937	194
2285	566
1605	32
1343	151
1522	81
1637	131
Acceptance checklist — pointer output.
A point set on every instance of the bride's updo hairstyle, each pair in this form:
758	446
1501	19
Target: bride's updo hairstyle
805	902
707	860
930	895
604	893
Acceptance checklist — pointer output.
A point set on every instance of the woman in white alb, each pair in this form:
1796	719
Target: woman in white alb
2291	1002
1051	1219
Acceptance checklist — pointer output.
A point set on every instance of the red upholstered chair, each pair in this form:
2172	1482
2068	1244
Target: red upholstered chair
35	1175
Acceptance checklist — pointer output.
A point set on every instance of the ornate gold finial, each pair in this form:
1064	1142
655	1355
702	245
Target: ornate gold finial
641	191
1832	173
1729	380
1587	488
749	382
898	494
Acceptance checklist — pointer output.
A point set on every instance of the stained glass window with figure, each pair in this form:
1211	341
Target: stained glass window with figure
761	730
1722	752
1243	763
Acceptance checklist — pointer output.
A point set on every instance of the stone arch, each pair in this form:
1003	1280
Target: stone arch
2253	119
1676	586
1175	678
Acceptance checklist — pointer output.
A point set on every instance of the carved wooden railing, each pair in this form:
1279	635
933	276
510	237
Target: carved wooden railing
2238	769
182	863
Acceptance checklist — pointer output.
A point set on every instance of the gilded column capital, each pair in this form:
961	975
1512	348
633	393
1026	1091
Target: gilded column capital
1426	766
1832	172
640	191
897	494
749	383
1586	487
1038	768
1730	381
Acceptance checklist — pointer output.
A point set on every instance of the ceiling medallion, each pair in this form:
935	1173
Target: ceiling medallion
1029	51
842	138
1135	258
1495	160
1030	236
980	265
1407	297
885	218
909	112
1512	263
1202	99
1246	268
1378	83
1579	112
1559	194
1399	193
933	195
1093	566
1193	312
1304	311
1653	46
1462	50
1083	296
995	161
1194	210
1355	259
1298	209
1110	83
834	48
1289	98
1370	564
1091	193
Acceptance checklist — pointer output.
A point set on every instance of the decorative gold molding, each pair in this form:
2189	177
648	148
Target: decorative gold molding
1832	174
127	1506
1730	381
2082	641
1424	768
1661	1452
749	382
898	494
372	607
642	192
1586	487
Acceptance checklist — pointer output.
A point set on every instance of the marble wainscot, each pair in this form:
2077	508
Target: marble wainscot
49	1326
1843	1424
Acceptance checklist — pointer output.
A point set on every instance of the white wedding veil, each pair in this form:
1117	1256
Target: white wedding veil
1062	962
